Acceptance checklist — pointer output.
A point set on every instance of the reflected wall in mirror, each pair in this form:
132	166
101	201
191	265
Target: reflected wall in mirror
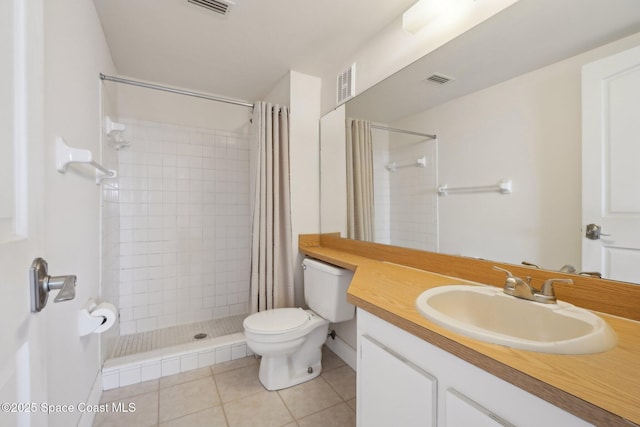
513	111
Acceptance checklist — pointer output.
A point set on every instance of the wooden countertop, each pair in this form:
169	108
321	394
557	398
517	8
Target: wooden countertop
602	388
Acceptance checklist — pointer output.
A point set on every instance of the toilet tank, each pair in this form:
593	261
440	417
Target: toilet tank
325	290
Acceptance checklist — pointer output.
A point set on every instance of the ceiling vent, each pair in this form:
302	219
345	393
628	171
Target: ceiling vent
346	84
217	6
438	79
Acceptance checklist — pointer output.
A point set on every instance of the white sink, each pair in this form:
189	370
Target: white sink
486	313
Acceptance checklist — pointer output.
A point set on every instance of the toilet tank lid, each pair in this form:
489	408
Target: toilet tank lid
326	267
276	321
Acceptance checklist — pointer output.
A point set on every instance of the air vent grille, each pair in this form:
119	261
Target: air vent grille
439	79
218	6
346	84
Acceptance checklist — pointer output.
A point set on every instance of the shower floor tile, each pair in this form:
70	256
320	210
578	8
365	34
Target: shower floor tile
177	335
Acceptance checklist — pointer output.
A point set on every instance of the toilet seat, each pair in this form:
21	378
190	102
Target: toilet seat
276	321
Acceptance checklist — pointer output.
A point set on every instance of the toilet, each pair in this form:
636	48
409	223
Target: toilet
290	339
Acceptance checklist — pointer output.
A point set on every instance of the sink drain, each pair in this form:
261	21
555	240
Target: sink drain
200	336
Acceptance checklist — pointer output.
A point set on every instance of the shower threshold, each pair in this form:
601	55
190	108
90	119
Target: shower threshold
177	335
154	354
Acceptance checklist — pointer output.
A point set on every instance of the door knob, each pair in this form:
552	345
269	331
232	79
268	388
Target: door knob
594	232
41	284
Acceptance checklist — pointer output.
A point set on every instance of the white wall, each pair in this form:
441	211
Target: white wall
139	103
305	167
75	54
333	189
527	129
281	93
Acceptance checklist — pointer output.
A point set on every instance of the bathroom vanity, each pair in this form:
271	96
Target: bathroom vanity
403	380
414	372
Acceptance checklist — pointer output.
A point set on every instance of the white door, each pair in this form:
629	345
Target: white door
22	352
611	166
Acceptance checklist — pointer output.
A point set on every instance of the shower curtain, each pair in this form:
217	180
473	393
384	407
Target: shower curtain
271	252
360	208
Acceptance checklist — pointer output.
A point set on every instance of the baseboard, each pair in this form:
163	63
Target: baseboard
87	416
343	351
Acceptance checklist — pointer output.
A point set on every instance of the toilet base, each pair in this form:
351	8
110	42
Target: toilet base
283	371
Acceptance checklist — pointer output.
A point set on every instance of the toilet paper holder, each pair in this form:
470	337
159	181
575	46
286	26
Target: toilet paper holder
89	322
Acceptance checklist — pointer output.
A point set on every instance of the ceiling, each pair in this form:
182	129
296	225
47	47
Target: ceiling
245	53
526	36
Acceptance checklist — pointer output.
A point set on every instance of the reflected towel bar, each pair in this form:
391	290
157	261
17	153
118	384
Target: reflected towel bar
503	187
419	163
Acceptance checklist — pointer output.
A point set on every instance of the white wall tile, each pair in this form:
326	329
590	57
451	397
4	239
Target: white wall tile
223	354
110	380
183	193
150	371
170	366
130	376
188	362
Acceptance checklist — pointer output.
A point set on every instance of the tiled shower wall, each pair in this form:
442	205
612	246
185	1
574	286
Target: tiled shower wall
381	190
406	201
110	243
184	225
414	197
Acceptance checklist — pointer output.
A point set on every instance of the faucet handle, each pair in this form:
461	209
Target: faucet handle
511	282
509	275
547	286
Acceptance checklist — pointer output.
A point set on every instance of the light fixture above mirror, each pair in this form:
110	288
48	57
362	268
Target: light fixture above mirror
423	12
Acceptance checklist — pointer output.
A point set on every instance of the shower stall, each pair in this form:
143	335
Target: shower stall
175	230
405	171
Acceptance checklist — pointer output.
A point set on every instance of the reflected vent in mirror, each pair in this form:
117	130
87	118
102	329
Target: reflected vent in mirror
346	84
438	79
218	6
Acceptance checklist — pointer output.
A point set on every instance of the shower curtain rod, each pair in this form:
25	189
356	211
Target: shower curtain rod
175	90
409	132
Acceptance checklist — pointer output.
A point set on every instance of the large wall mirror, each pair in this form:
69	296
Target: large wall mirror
511	112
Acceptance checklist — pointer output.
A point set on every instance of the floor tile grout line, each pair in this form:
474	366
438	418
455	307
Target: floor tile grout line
293	417
158	414
224	410
324	409
189	413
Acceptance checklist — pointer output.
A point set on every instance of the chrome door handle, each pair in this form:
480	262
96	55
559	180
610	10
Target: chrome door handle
594	232
41	284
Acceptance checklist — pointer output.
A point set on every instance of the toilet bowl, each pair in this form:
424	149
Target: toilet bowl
290	343
290	339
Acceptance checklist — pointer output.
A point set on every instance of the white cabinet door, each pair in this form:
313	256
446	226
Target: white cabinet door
610	173
393	391
463	412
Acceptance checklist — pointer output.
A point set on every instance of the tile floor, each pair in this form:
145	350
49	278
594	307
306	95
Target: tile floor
230	394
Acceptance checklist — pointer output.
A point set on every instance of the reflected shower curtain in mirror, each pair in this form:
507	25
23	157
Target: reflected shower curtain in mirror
271	251
360	207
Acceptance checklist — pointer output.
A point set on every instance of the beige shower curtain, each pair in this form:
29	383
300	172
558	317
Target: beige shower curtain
360	208
271	251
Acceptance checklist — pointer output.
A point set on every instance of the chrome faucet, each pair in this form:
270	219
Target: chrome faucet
519	288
